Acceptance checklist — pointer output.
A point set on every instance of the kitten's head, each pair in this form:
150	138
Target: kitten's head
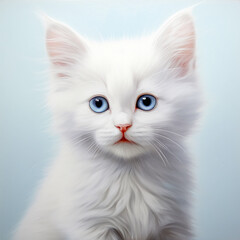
126	97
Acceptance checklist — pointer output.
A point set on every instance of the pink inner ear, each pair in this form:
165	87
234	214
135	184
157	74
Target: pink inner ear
177	38
52	44
186	50
64	46
59	49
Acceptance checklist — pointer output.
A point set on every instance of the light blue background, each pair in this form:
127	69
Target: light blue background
26	145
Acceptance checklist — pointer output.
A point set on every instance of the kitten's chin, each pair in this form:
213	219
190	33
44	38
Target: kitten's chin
125	150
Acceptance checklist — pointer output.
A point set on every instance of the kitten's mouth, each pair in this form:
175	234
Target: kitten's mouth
124	140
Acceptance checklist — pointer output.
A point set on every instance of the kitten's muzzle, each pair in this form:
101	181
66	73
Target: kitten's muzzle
123	128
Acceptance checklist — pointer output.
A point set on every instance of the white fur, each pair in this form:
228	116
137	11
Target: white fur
99	190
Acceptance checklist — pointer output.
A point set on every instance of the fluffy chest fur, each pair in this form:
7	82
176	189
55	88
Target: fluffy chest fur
130	202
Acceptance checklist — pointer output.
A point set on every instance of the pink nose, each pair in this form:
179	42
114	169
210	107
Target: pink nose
123	127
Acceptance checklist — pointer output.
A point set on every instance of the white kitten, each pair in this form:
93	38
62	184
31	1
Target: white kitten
123	110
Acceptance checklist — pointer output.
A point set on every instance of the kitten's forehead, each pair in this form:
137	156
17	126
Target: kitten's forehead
123	64
121	85
123	56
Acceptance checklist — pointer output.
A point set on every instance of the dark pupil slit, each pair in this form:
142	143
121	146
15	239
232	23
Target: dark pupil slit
146	101
98	103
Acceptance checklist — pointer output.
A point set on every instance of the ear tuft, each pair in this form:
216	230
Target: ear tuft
176	39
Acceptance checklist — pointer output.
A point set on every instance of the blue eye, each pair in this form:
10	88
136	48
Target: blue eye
98	104
146	102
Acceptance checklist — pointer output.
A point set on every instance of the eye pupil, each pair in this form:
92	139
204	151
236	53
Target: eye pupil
98	102
146	101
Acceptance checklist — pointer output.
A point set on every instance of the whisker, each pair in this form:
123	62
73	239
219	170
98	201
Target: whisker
167	149
160	153
96	151
171	140
91	146
82	139
177	134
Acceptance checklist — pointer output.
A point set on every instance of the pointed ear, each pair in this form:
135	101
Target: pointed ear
176	39
65	48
